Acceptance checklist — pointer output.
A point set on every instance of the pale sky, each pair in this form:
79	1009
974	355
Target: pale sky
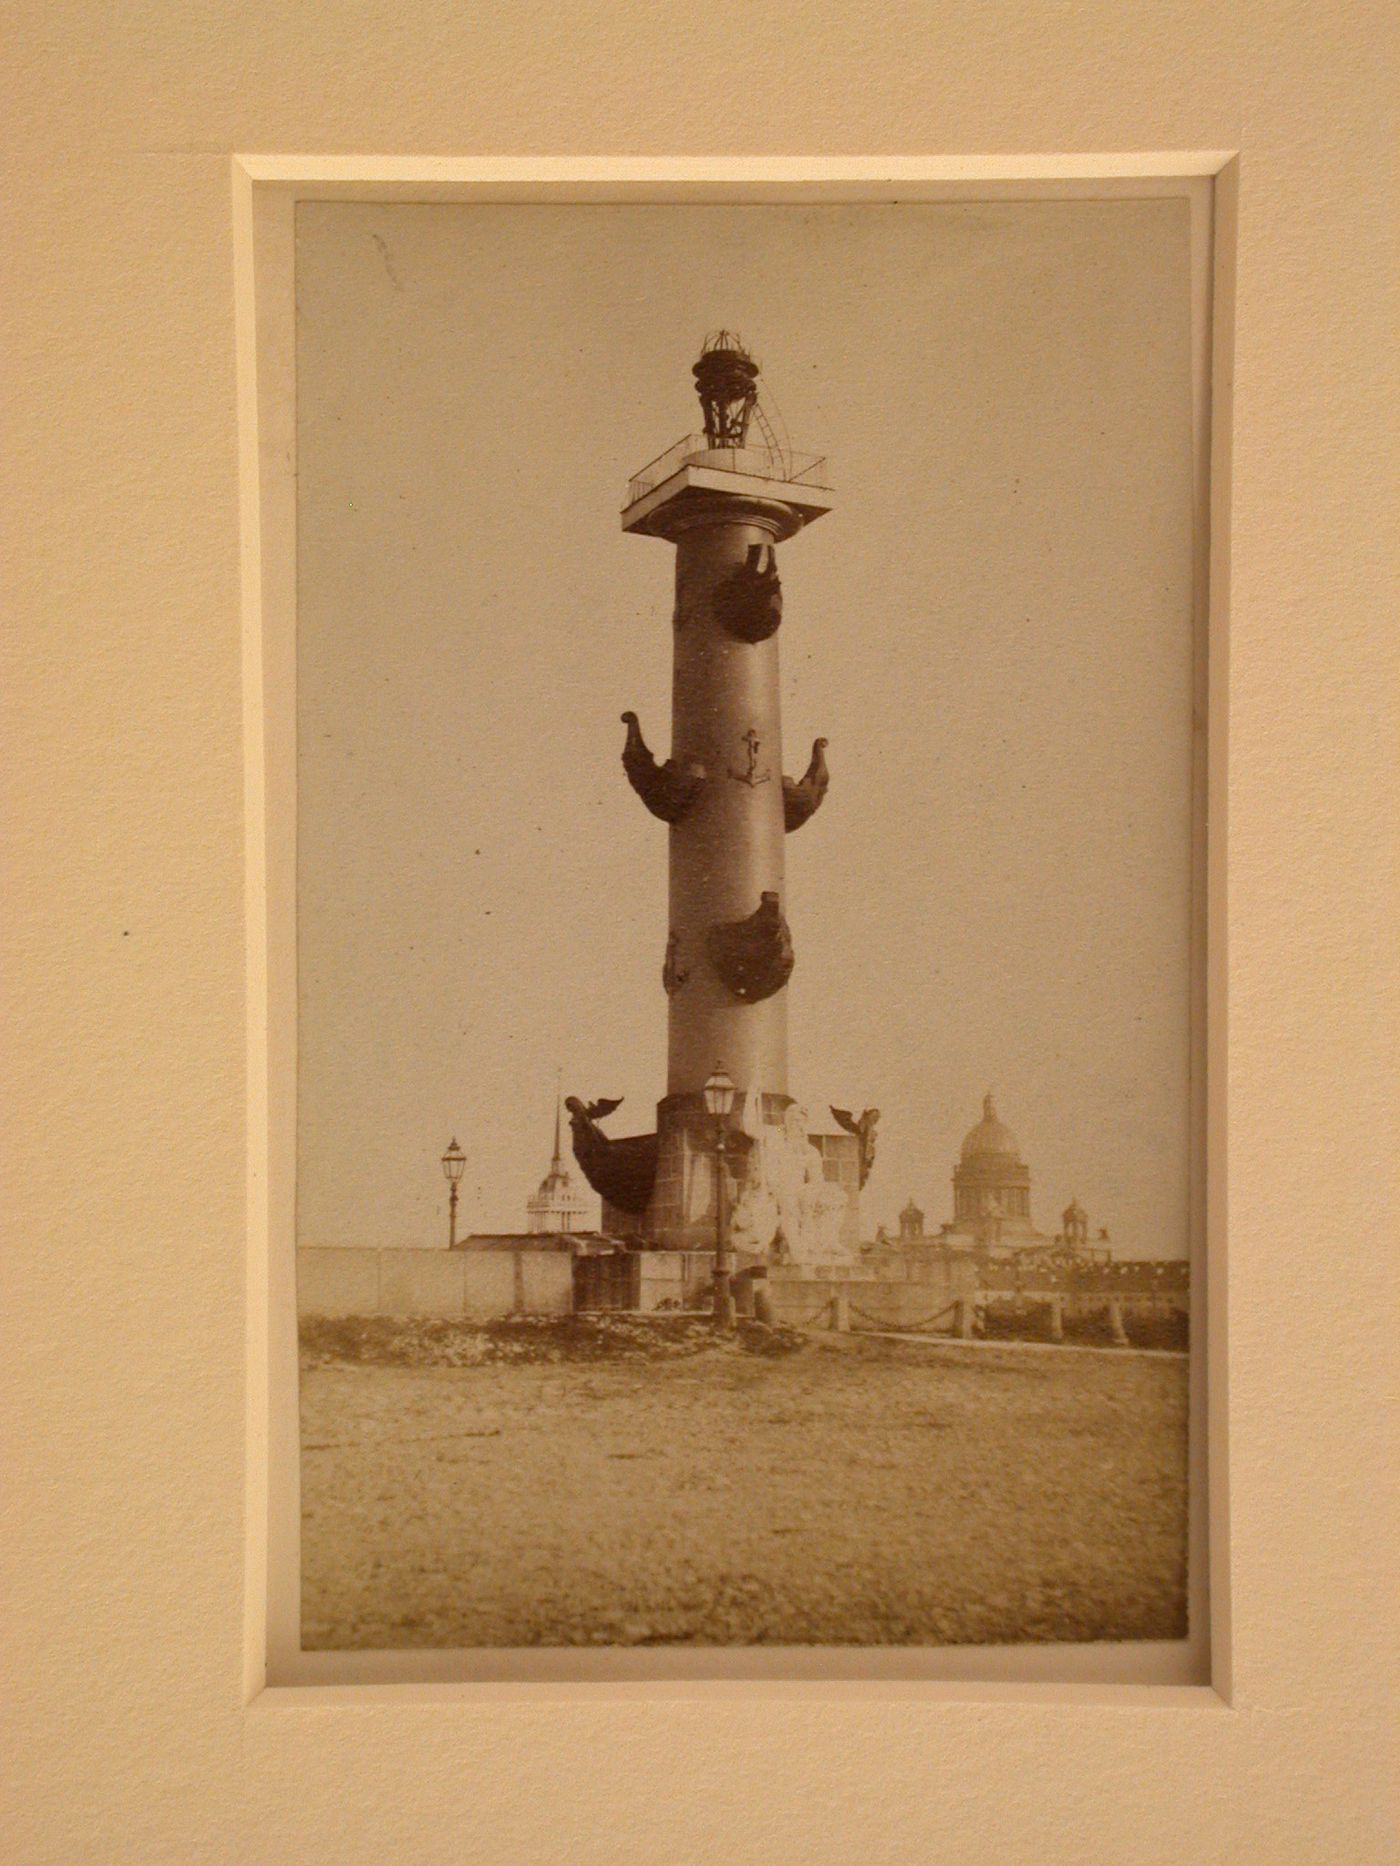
992	628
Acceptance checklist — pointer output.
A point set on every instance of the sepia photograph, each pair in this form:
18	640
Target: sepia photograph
748	724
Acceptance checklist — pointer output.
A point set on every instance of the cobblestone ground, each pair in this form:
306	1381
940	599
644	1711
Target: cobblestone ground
849	1492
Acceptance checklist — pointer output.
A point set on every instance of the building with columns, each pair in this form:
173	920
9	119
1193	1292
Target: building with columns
992	1187
992	1205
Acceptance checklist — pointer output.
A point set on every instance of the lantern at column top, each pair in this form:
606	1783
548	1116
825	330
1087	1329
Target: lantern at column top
726	380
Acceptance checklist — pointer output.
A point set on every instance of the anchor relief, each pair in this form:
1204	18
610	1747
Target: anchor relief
751	775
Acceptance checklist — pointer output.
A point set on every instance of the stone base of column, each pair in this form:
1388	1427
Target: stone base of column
681	1214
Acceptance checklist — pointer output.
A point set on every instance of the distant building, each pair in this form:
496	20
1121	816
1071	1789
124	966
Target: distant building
992	1191
1073	1241
992	1207
559	1206
1075	1220
992	1185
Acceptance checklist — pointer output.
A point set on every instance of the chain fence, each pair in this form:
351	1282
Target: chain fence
905	1328
805	1321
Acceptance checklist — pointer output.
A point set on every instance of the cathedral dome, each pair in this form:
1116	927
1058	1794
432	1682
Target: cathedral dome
990	1139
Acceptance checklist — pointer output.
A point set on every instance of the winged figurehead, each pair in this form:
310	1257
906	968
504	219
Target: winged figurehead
665	789
802	796
621	1171
864	1131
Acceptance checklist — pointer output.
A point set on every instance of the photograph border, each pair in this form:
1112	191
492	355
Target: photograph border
266	189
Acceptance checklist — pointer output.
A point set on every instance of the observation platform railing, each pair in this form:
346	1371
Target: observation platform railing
795	469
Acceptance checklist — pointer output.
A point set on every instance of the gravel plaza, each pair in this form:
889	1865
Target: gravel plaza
629	1484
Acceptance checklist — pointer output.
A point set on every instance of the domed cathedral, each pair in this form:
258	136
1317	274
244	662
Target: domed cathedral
992	1188
992	1210
559	1205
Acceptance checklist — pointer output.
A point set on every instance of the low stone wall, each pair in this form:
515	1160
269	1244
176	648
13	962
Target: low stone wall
476	1284
1157	1286
865	1302
479	1285
907	1263
1131	1302
1151	1321
645	1280
673	1279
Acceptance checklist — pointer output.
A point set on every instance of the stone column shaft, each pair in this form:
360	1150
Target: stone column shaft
728	849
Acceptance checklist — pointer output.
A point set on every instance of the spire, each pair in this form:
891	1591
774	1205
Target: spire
557	1205
989	1112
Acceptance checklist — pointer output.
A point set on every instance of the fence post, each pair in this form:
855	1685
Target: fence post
1115	1322
962	1319
1057	1318
840	1323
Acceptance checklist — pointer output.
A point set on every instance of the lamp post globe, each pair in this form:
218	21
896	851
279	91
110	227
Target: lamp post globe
454	1163
719	1092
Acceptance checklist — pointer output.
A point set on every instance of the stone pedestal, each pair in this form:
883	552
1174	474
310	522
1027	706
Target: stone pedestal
772	1185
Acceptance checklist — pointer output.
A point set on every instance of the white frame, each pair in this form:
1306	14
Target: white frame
1193	1672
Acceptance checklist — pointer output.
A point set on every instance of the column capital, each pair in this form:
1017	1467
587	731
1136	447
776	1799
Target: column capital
778	520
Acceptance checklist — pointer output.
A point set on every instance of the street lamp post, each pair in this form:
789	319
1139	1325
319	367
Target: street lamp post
719	1100
453	1165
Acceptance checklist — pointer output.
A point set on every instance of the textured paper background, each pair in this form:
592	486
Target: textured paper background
124	1366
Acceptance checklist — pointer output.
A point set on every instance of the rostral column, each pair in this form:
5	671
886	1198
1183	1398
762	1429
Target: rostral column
726	499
